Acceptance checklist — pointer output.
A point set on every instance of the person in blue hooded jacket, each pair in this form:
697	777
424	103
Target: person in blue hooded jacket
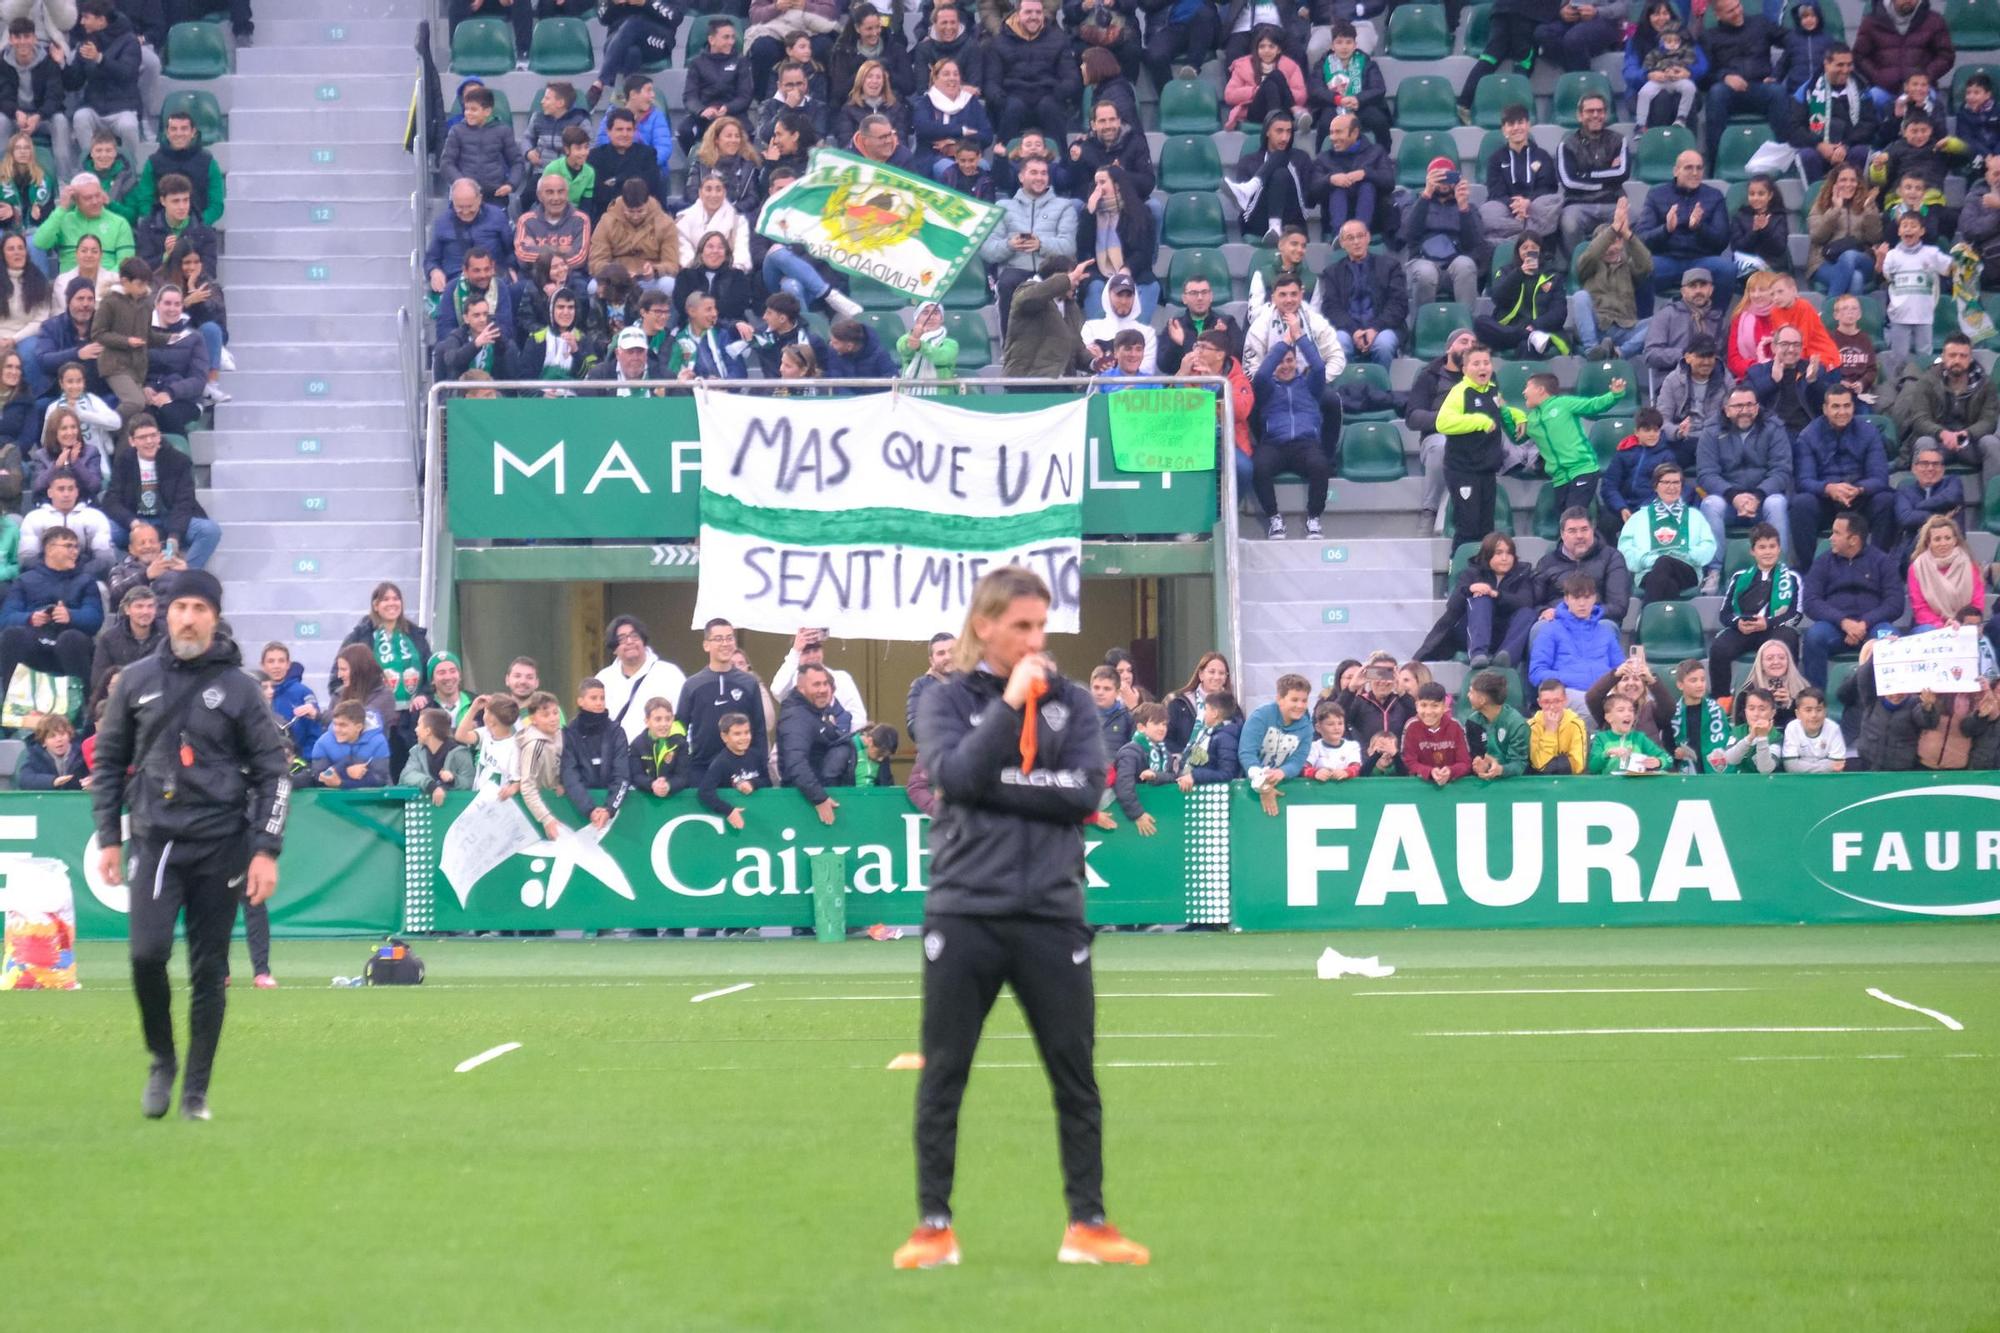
1287	384
854	352
293	702
1579	645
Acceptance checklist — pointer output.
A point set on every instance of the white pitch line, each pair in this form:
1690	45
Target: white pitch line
1102	995
726	990
1656	1032
467	1066
1949	1022
1577	990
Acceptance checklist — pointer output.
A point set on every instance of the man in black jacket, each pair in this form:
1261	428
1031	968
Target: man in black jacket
1366	298
1838	120
1017	765
478	343
717	689
718	84
1739	63
52	612
1110	143
1578	551
594	757
208	795
620	158
1036	77
814	746
104	66
154	483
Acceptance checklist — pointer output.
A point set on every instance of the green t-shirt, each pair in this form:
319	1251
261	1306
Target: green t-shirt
1636	741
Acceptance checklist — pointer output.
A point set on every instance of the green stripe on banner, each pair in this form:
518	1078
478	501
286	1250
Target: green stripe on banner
879	527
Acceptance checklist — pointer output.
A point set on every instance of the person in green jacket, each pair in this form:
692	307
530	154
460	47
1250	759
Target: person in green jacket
10	547
1505	730
1621	748
1668	543
183	154
82	209
926	351
1553	426
437	763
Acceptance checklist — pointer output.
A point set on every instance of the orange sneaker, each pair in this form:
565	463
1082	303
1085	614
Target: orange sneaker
928	1247
1084	1244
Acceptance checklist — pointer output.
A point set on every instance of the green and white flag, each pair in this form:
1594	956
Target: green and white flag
879	222
875	515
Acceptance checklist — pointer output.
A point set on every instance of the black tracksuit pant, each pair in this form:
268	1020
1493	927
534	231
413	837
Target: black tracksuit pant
257	930
205	879
1047	962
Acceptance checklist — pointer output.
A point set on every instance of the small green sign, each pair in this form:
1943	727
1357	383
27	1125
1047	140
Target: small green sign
1333	555
317	388
306	629
307	565
322	155
309	445
1163	430
1334	615
314	504
320	213
318	272
327	92
335	33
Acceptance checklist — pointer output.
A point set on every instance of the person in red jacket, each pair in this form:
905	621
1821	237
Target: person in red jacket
1434	745
1210	355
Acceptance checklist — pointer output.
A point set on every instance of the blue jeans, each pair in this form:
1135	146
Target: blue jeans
29	349
1767	99
1356	203
1513	635
1382	351
203	536
1776	510
1244	472
1822	639
212	334
1630	342
794	273
1845	276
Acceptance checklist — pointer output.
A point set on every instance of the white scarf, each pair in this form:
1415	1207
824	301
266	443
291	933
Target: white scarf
951	106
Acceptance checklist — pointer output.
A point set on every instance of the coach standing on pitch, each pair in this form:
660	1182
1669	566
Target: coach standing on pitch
208	794
1017	764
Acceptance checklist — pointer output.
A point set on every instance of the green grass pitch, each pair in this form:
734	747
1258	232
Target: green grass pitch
1299	1154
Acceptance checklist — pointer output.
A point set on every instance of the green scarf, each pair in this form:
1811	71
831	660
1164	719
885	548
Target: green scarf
1353	71
864	767
1156	754
1659	515
1196	753
1703	728
397	652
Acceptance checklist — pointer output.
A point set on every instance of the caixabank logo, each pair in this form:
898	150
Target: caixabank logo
1929	851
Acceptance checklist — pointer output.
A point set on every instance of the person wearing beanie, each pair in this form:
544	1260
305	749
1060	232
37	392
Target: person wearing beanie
188	745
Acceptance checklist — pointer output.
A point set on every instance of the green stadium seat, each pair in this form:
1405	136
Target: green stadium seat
1477	23
503	110
1414	154
1426	102
1435	324
179	442
1837	673
1512	377
1570	90
1189	163
1890	432
202	51
209	121
1595	378
1371	451
1461	707
1503	512
1974	24
697	37
1739	143
888	326
1655	151
1461	556
1874	317
1372	375
1545	523
1671	632
1735	557
1190	106
1193	219
975	343
969	290
1496	93
873	295
561	46
1198	260
1605	433
479	46
1417	32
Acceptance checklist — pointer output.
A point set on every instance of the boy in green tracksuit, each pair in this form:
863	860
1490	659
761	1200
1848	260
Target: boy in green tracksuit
1553	426
1503	731
1620	748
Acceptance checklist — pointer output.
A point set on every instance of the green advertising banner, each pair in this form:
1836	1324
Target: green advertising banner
342	871
1710	850
1162	430
683	867
631	468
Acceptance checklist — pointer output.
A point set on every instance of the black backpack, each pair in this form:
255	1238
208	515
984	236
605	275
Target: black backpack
393	964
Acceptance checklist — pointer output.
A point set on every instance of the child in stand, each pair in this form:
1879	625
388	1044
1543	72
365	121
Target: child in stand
660	757
1211	753
1701	728
1275	740
873	749
495	748
741	765
1498	735
1620	748
540	745
1858	370
1978	119
437	762
1754	747
351	754
1434	745
1112	715
1554	427
52	761
1910	272
1558	746
1333	757
1760	233
1813	743
1143	759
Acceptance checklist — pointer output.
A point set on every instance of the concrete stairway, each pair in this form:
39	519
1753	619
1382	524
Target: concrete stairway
312	468
1307	605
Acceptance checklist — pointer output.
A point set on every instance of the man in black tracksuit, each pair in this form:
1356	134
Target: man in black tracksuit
1017	766
718	689
208	795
